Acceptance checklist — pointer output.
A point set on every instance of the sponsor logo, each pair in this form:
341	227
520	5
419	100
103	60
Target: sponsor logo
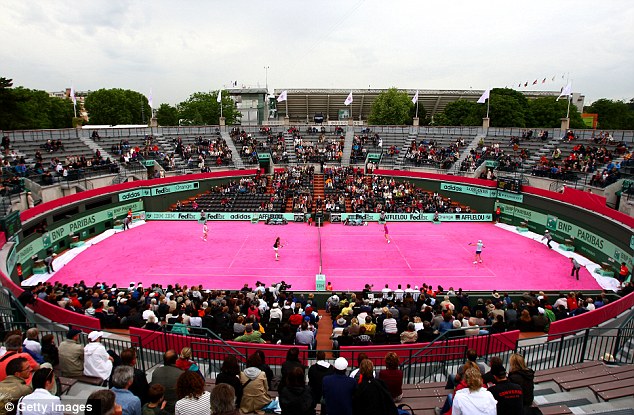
452	187
188	216
130	195
239	216
590	238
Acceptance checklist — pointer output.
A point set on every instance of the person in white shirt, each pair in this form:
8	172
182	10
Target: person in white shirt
97	361
32	343
398	293
41	401
474	399
387	292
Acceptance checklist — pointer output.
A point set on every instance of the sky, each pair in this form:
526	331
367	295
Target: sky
177	48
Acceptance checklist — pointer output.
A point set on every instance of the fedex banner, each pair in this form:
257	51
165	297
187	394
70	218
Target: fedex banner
221	216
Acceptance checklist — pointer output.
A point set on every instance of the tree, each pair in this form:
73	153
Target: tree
117	106
202	108
167	115
392	107
460	112
508	108
547	113
8	104
24	108
613	115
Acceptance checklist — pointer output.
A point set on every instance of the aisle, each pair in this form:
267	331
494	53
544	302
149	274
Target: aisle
324	333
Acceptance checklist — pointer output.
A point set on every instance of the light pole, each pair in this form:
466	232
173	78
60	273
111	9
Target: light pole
266	79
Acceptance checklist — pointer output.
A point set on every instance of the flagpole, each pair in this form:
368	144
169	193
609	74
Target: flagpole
416	108
568	110
488	103
72	90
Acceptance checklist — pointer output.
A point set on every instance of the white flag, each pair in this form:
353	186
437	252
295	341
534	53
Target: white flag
566	92
348	100
415	99
219	99
72	95
484	97
283	96
149	100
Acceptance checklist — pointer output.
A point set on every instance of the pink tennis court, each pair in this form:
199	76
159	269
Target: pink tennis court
237	253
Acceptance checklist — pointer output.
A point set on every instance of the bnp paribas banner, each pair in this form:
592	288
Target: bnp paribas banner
567	230
77	224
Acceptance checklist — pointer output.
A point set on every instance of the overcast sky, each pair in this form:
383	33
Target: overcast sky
177	48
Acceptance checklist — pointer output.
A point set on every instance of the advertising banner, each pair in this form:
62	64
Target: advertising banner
481	191
158	191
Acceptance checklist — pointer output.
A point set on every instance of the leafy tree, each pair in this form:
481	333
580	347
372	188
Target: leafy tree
460	112
117	106
547	113
167	115
392	107
616	115
8	104
24	108
202	108
508	108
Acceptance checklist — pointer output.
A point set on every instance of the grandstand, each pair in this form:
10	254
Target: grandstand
565	358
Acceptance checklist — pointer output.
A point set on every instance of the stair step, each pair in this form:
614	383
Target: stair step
542	392
570	403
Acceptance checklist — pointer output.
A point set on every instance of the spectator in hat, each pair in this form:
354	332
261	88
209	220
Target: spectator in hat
71	355
548	238
338	390
97	361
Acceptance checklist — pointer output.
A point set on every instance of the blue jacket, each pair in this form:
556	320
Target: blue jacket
338	390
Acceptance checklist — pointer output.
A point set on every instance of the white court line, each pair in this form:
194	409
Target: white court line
225	275
238	251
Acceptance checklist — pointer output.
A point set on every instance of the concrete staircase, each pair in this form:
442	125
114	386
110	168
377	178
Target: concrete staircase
235	154
400	159
290	148
464	153
318	188
347	146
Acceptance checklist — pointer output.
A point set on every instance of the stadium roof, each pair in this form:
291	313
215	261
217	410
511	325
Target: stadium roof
303	104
